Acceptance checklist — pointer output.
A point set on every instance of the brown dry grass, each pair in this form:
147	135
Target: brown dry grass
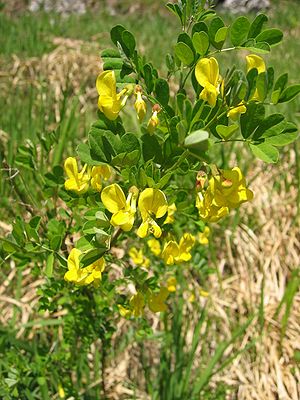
247	258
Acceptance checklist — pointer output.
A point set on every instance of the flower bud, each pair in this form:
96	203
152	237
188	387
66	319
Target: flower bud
140	105
153	121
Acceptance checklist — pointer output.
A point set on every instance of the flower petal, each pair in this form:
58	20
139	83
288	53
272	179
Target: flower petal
113	198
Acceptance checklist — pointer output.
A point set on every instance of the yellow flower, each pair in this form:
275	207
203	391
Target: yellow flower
171	284
98	174
171	211
152	204
153	121
138	257
207	75
254	61
61	392
137	304
83	276
140	105
225	191
154	246
124	312
229	188
185	246
109	101
208	211
78	181
177	253
170	252
203	236
235	112
123	209
156	301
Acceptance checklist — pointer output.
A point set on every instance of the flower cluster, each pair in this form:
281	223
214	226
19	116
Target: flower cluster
154	300
225	191
110	102
79	182
207	75
84	276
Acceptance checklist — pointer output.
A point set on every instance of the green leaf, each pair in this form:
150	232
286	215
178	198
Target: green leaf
262	85
239	31
221	36
151	148
257	25
129	41
197	140
175	9
251	119
110	53
148	77
126	159
184	53
270	126
49	265
112	64
283	139
162	91
201	42
55	242
199	27
289	93
271	36
265	152
116	34
91	256
262	48
216	24
226	131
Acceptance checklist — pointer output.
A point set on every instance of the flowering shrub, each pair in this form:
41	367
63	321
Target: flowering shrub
139	208
138	211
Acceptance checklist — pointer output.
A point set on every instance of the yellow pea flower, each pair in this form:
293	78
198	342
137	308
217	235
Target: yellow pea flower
83	276
208	211
235	112
77	181
207	75
124	312
123	209
61	392
153	121
254	61
109	102
140	105
229	188
137	304
154	246
170	252
138	257
98	174
152	204
185	246
204	236
171	284
156	301
171	211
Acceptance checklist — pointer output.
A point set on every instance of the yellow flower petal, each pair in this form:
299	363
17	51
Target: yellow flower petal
152	202
113	198
207	71
254	61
